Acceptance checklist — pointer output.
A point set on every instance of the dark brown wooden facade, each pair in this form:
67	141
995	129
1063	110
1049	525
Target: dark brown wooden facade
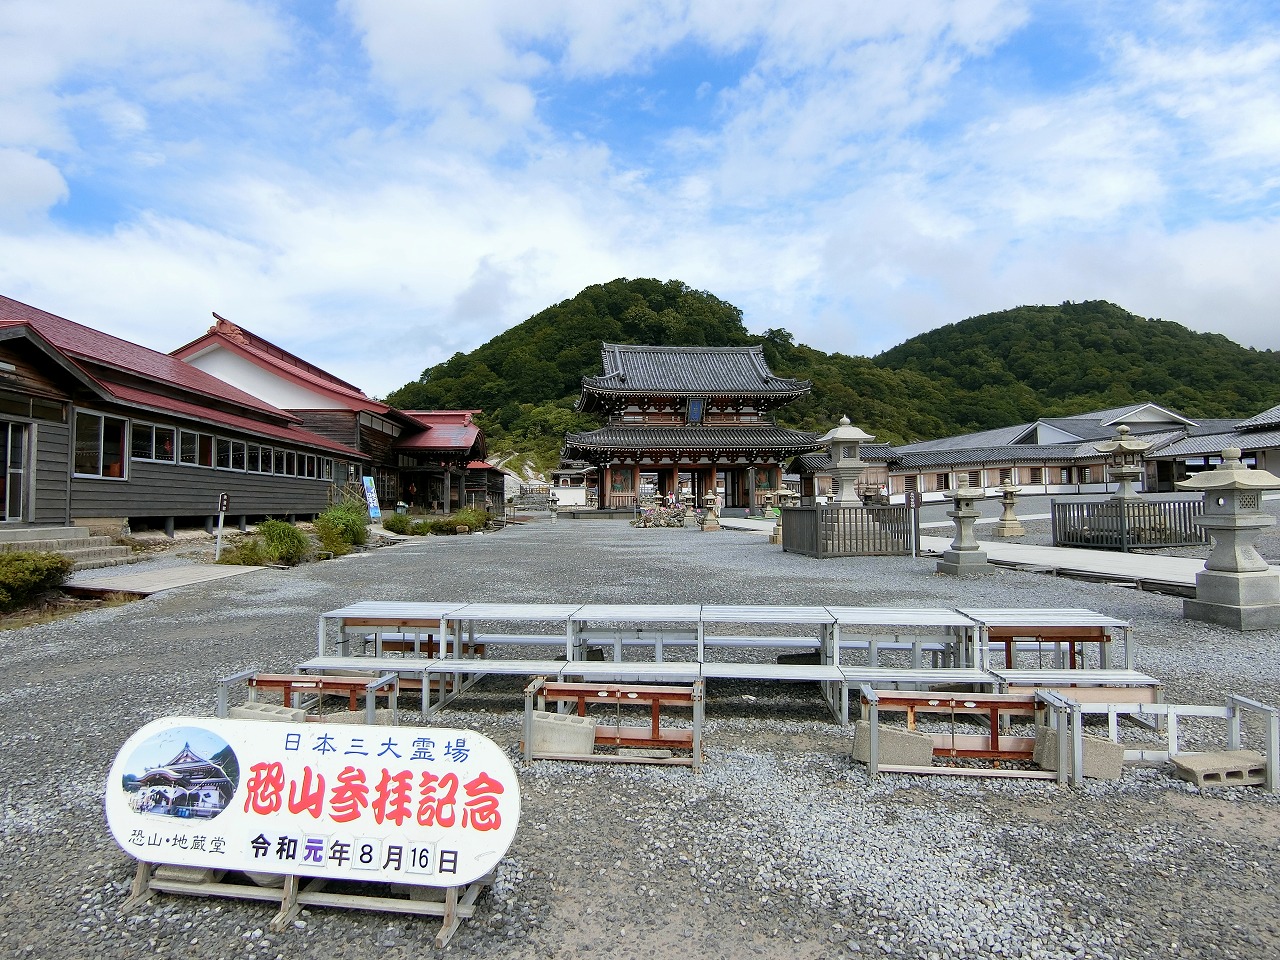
687	421
102	432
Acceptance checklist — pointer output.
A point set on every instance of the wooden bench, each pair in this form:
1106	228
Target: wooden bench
994	710
543	692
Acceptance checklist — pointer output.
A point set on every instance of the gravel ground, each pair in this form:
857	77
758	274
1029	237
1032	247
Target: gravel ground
780	848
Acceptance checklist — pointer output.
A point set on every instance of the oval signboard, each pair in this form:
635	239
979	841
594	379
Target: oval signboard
421	805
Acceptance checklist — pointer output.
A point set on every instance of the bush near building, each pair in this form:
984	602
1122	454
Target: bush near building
472	518
24	575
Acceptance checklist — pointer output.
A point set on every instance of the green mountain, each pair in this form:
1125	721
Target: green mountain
987	371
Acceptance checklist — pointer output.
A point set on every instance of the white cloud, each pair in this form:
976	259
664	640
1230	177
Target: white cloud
32	185
854	172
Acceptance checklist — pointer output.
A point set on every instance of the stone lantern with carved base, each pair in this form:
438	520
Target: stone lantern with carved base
1237	587
846	466
1125	454
782	499
964	556
1009	525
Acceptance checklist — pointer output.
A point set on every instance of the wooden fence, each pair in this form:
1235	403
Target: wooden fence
826	531
1127	524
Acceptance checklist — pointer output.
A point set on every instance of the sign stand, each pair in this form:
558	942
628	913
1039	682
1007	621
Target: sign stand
224	504
454	905
914	501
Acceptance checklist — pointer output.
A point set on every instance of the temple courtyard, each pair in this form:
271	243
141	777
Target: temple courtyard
781	846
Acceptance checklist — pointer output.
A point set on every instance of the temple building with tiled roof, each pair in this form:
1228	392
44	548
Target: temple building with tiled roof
99	432
687	421
419	457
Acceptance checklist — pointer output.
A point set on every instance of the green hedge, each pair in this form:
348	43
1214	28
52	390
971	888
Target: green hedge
24	575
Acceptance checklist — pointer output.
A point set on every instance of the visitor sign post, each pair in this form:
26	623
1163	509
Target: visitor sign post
224	504
371	497
423	806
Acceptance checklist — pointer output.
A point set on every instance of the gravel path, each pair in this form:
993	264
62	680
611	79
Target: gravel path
781	848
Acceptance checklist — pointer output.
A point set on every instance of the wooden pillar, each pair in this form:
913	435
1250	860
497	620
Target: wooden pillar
604	486
751	487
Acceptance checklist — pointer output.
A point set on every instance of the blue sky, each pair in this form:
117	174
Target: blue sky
377	184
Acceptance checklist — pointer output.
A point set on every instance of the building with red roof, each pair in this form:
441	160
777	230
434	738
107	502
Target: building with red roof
433	458
99	431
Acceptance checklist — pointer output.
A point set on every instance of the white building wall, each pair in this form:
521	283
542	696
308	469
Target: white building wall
261	383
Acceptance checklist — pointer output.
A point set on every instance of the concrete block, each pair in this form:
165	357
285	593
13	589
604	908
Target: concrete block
1103	758
562	734
267	711
1221	768
381	716
897	745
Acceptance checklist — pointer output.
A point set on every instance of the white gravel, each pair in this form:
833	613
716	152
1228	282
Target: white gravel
781	848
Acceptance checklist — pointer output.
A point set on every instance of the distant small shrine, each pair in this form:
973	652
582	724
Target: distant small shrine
685	422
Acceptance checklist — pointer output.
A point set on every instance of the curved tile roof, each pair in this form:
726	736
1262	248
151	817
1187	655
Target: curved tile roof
1267	418
689	370
691	438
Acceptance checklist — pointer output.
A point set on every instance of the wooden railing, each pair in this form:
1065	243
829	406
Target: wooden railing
1127	524
826	531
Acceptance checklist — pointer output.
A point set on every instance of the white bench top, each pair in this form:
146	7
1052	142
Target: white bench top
772	671
757	613
609	670
637	613
515	611
1040	617
899	617
873	675
392	610
1079	678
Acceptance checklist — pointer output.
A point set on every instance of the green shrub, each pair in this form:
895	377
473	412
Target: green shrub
24	575
285	542
249	552
350	519
332	536
472	517
397	523
422	528
276	542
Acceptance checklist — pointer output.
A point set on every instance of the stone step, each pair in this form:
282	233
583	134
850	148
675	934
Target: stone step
56	545
18	535
107	562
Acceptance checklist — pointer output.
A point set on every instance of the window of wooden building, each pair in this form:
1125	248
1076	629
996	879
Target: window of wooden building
99	445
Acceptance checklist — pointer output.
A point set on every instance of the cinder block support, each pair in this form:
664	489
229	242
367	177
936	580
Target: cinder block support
256	710
1103	759
1222	768
561	734
894	746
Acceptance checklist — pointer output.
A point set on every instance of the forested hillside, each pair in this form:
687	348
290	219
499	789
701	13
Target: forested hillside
988	371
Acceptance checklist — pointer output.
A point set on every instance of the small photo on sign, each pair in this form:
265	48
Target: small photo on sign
185	772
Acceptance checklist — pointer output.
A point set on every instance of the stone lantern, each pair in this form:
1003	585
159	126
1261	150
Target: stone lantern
782	499
711	518
963	556
842	446
1009	525
1237	588
553	504
1124	454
